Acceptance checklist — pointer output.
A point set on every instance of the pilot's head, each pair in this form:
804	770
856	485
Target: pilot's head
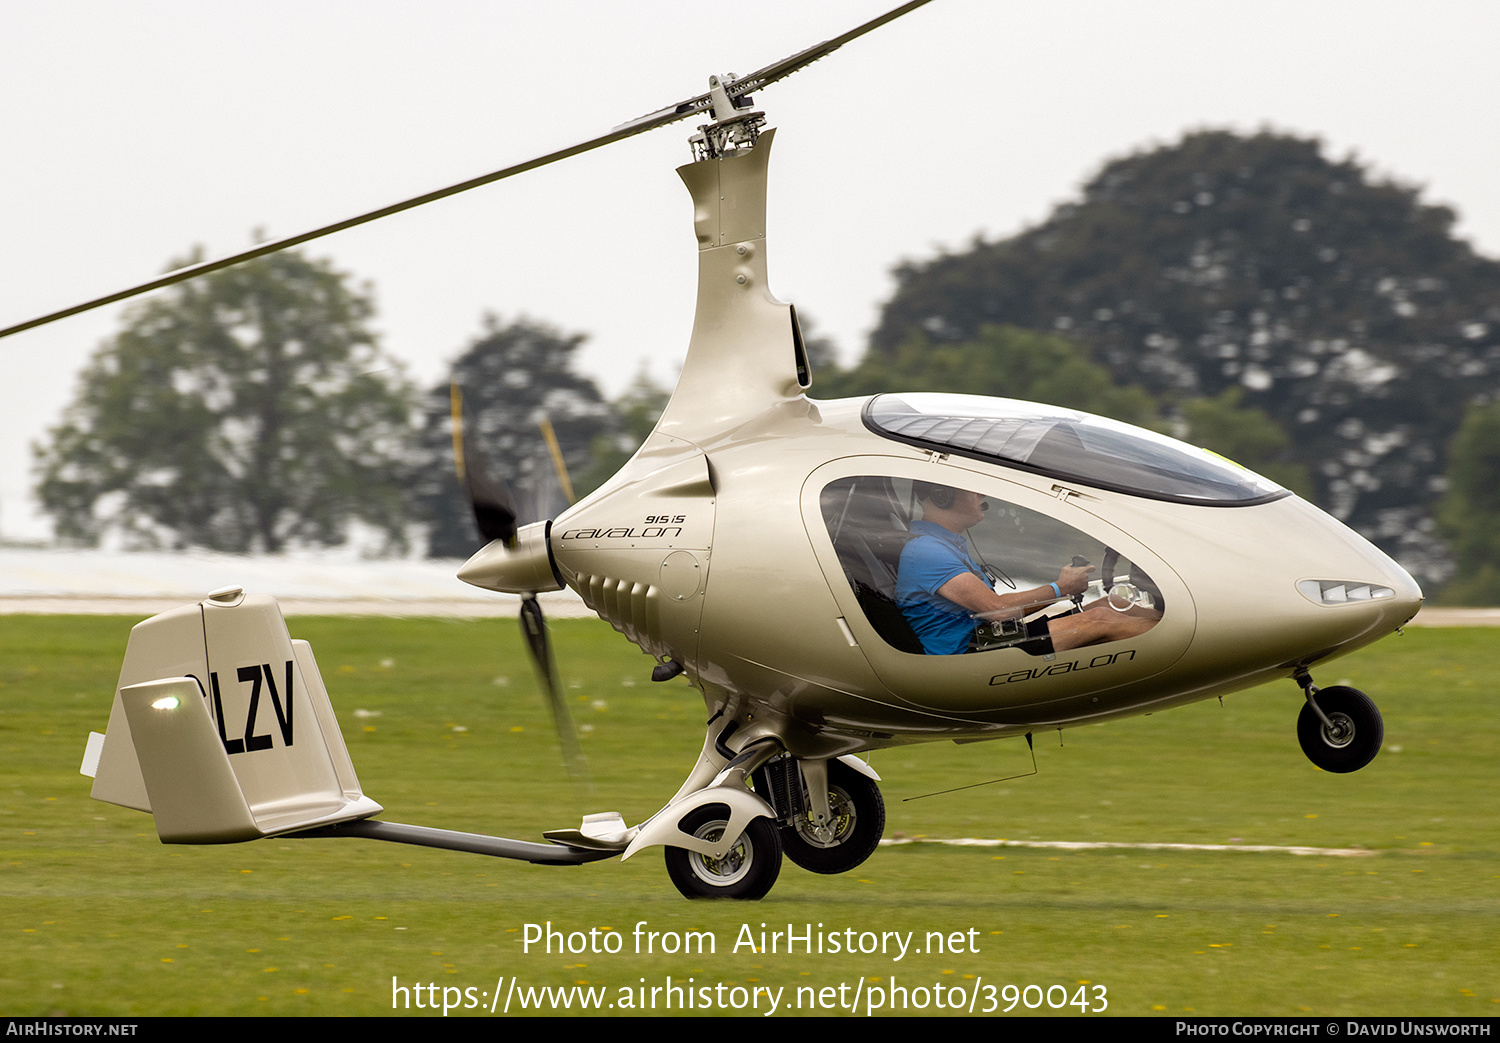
940	496
955	509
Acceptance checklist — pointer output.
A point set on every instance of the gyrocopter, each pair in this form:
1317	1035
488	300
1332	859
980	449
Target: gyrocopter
834	577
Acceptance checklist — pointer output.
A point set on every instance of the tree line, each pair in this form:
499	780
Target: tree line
1245	293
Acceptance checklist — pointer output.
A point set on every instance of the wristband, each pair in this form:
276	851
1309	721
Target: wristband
1056	591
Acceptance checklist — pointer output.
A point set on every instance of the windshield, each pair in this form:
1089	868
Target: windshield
1064	443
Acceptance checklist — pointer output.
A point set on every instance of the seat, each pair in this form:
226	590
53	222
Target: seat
869	526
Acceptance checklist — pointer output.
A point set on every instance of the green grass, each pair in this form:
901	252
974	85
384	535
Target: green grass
446	729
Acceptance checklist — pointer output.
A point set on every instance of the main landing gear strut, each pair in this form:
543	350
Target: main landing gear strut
1339	728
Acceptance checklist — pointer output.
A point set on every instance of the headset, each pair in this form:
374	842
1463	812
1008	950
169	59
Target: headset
940	496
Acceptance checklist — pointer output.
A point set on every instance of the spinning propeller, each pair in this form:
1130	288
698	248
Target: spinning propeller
495	515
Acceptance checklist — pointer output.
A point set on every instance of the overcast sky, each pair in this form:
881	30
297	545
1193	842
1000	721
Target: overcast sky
133	131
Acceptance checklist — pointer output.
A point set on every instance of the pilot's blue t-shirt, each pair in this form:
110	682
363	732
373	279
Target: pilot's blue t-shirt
932	557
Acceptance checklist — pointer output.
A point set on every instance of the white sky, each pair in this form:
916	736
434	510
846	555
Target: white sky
133	130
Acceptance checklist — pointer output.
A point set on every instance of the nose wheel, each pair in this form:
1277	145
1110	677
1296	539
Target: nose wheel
1339	728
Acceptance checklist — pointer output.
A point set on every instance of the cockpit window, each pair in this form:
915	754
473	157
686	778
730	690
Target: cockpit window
942	570
1064	443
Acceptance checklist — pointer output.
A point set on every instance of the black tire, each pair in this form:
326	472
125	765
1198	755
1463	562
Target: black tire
858	822
747	872
1357	734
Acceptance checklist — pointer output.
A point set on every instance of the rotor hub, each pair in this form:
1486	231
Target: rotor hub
736	124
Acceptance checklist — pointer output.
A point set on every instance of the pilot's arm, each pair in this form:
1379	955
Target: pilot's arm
969	591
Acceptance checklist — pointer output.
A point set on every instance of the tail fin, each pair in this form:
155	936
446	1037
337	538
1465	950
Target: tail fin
222	729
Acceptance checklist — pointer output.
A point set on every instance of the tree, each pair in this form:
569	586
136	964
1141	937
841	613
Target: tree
512	377
1469	512
248	409
1342	307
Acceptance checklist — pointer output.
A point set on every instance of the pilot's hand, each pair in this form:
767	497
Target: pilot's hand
1074	579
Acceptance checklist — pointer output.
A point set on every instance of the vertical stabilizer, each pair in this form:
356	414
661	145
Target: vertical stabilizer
222	728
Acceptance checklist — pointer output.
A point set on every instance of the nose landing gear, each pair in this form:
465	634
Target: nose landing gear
1339	728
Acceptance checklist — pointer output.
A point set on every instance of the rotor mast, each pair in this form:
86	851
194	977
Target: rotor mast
745	355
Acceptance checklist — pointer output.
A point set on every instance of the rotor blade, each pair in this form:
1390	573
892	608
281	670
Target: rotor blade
660	118
534	627
781	70
493	505
195	270
771	73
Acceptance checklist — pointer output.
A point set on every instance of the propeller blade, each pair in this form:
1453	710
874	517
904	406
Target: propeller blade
490	497
494	507
534	627
699	103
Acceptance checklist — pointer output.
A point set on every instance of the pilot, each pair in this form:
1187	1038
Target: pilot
945	596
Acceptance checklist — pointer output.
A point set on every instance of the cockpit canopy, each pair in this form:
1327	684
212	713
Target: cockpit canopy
1064	443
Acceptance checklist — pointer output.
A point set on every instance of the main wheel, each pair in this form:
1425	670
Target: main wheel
1355	735
852	835
746	871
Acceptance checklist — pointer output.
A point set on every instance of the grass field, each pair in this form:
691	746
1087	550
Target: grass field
446	729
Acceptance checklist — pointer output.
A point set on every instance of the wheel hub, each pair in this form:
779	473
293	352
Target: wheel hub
1339	732
837	829
726	870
